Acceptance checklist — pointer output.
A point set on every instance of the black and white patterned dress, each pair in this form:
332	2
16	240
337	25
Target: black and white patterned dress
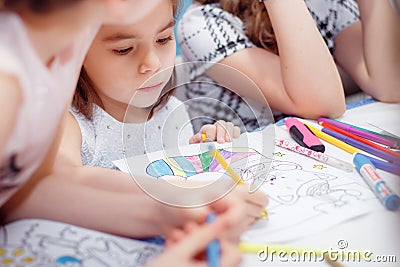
207	33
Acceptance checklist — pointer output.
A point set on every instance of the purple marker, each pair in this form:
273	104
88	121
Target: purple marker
362	146
367	170
366	135
303	136
385	166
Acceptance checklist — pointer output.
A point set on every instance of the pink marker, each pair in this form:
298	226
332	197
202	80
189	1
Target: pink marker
303	136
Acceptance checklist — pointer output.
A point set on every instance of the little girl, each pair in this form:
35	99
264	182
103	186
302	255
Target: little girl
41	55
125	60
135	60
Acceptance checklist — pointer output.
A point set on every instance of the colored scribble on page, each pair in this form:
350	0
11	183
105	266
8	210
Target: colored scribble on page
301	191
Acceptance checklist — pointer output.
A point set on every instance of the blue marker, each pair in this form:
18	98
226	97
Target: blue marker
214	248
367	170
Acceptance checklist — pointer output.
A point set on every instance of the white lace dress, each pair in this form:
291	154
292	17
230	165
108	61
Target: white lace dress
104	139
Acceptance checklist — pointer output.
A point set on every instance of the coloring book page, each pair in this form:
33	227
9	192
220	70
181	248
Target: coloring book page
305	196
41	243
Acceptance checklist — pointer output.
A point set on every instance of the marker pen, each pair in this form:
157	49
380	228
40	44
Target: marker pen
303	136
213	249
367	170
361	133
362	146
321	157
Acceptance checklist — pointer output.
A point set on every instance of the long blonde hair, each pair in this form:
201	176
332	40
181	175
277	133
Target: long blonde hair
255	18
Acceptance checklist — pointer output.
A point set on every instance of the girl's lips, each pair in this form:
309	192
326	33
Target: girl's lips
150	88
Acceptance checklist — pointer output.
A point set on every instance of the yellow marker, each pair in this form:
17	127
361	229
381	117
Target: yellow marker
215	153
203	137
342	145
331	262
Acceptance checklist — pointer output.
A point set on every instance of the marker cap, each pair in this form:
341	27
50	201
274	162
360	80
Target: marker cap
392	202
303	136
360	160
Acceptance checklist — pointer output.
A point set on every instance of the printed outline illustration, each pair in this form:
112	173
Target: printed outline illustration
295	185
39	243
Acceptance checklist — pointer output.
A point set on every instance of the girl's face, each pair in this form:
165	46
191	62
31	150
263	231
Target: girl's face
122	58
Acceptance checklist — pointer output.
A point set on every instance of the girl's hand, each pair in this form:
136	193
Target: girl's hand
221	131
249	208
240	207
188	246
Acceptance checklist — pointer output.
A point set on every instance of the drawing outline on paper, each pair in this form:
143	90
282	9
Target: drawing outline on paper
290	184
34	243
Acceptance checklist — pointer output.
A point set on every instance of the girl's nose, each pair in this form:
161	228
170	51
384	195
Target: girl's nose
151	63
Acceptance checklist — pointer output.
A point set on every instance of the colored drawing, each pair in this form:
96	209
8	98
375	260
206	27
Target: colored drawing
322	193
187	166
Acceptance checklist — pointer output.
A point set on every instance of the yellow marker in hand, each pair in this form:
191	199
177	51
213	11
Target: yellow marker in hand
203	137
215	154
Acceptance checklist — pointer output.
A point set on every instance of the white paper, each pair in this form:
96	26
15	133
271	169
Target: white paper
41	243
305	196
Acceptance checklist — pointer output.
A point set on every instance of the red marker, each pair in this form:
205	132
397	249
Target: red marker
360	139
303	136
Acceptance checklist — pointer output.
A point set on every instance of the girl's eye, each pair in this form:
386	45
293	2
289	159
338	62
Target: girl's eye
164	41
123	51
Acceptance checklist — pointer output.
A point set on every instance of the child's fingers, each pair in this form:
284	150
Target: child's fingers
178	234
190	227
230	254
210	131
199	238
231	209
254	211
258	198
230	128
221	131
195	139
236	132
174	237
256	203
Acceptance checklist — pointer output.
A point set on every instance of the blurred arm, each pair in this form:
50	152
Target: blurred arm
303	80
370	50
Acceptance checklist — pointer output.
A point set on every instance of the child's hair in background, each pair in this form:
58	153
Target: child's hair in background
85	94
255	17
37	6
